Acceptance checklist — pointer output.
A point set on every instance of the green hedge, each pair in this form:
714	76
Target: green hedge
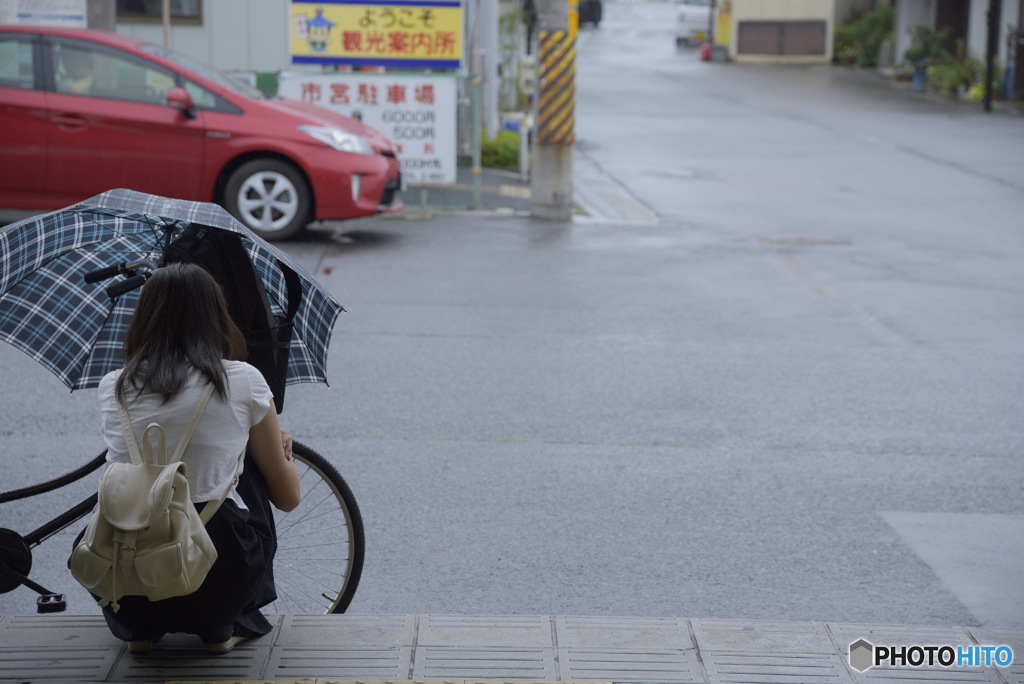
502	151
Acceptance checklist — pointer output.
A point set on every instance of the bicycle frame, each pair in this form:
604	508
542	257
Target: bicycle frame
293	568
48	601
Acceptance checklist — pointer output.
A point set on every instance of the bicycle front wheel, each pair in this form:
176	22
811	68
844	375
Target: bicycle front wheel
320	543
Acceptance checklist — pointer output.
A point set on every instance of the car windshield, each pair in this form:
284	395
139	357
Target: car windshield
207	72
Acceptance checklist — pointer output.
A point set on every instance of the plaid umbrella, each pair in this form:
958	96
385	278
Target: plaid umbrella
76	331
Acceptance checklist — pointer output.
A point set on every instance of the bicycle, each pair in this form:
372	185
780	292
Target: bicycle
320	548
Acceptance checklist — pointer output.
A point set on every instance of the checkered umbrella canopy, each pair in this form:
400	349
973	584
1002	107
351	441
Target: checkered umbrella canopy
75	330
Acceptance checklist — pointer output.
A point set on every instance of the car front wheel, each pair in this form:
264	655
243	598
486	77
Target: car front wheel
268	196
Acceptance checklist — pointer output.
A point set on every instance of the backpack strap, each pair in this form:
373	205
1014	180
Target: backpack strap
126	427
133	447
147	446
179	450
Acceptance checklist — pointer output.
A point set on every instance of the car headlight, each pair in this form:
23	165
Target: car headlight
338	139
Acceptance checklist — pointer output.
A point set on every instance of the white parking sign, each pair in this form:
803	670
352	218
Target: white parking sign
417	113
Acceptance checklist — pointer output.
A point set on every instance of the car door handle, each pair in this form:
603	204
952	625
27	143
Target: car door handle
70	122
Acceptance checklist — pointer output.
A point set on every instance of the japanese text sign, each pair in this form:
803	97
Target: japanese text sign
415	34
417	113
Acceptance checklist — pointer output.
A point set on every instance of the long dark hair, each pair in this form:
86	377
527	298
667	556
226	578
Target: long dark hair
180	322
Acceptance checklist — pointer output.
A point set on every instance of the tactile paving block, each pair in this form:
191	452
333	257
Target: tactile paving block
930	675
76	630
322	662
770	637
304	680
1014	638
460	630
348	630
902	635
629	665
447	662
647	633
184	657
898	635
725	667
48	663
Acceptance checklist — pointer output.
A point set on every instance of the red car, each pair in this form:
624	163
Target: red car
84	111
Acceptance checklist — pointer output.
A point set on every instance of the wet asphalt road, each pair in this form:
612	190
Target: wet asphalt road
795	397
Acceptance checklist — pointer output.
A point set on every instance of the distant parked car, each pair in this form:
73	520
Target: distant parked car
692	18
590	12
82	112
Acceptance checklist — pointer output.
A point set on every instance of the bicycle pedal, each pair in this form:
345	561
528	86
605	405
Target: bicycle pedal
51	603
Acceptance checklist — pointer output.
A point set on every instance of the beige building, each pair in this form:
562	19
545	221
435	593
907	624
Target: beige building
781	31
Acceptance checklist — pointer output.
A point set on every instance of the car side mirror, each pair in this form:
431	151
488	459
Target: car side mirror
179	98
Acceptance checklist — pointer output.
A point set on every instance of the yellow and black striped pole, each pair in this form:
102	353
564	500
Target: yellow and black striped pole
556	109
556	101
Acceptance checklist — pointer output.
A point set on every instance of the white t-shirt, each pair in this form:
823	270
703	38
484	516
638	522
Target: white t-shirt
219	439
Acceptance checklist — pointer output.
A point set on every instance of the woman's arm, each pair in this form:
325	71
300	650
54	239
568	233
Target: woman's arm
265	445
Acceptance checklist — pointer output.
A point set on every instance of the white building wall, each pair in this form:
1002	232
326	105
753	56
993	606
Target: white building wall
909	15
912	13
236	35
783	10
977	29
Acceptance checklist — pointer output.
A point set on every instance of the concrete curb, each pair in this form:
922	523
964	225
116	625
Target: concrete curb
77	648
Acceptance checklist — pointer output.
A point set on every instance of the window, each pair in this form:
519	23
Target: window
204	99
81	71
152	11
218	77
16	62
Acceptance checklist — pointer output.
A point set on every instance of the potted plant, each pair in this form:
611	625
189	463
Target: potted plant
926	48
950	74
859	39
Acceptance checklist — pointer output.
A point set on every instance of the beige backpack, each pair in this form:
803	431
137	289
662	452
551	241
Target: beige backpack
145	537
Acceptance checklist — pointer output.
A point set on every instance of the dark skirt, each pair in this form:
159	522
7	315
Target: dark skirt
240	582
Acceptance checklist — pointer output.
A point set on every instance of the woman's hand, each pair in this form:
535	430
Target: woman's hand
286	443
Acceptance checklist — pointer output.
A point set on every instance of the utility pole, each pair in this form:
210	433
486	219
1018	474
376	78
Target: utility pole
991	47
552	198
489	15
165	19
476	78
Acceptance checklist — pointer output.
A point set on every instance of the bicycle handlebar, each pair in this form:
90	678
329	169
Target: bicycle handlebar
103	273
126	285
128	268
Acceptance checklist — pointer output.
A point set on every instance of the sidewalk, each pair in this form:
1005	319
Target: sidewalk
598	197
343	648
